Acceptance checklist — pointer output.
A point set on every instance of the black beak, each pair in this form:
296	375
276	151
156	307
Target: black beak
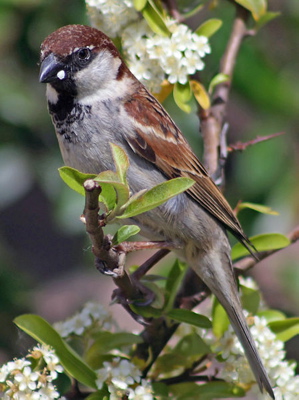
49	69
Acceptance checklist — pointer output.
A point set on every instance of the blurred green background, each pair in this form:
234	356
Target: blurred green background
45	261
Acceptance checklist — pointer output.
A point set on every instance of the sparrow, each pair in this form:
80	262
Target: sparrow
95	100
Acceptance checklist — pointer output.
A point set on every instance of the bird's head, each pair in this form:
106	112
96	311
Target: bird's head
78	60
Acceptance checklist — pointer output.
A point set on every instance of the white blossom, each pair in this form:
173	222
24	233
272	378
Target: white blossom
289	390
26	379
48	392
23	383
121	377
63	328
92	314
180	54
200	45
103	374
17	364
111	16
134	38
125	374
192	61
141	392
182	37
150	57
236	367
79	322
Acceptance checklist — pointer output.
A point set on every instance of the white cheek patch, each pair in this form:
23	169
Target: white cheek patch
52	95
61	74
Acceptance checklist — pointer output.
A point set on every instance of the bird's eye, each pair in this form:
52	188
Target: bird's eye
84	54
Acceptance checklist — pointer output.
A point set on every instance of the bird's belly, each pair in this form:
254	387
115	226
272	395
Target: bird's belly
179	220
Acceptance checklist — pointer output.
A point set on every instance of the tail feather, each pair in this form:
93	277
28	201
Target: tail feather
242	331
217	273
250	247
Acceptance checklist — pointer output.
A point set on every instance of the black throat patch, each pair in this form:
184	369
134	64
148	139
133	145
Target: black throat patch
66	113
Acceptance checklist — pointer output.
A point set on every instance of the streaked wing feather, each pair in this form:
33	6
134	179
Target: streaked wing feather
160	141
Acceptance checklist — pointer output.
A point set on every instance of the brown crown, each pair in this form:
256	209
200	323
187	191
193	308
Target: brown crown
63	41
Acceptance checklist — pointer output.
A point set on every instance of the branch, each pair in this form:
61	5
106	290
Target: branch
212	120
157	334
110	260
101	244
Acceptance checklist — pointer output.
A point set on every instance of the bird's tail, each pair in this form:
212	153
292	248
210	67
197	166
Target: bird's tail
217	273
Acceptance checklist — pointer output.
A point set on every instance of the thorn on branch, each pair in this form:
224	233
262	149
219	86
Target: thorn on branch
239	146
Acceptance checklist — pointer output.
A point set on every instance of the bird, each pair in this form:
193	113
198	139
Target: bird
94	100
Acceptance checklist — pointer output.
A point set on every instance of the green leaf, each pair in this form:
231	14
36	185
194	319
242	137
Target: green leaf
121	190
108	177
154	19
174	280
158	292
171	361
220	319
267	17
207	391
191	345
156	196
43	332
139	4
121	162
264	242
257	7
209	27
124	233
160	390
219	78
74	178
285	329
189	317
107	341
271	315
108	196
183	91
146	311
182	95
250	299
257	207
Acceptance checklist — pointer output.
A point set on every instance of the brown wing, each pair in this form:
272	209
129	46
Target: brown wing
160	141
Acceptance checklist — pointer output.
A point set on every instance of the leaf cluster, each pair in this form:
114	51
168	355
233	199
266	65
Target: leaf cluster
116	195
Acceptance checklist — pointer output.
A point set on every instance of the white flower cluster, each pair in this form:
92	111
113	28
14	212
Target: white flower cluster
92	315
271	350
20	382
121	377
111	15
151	57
